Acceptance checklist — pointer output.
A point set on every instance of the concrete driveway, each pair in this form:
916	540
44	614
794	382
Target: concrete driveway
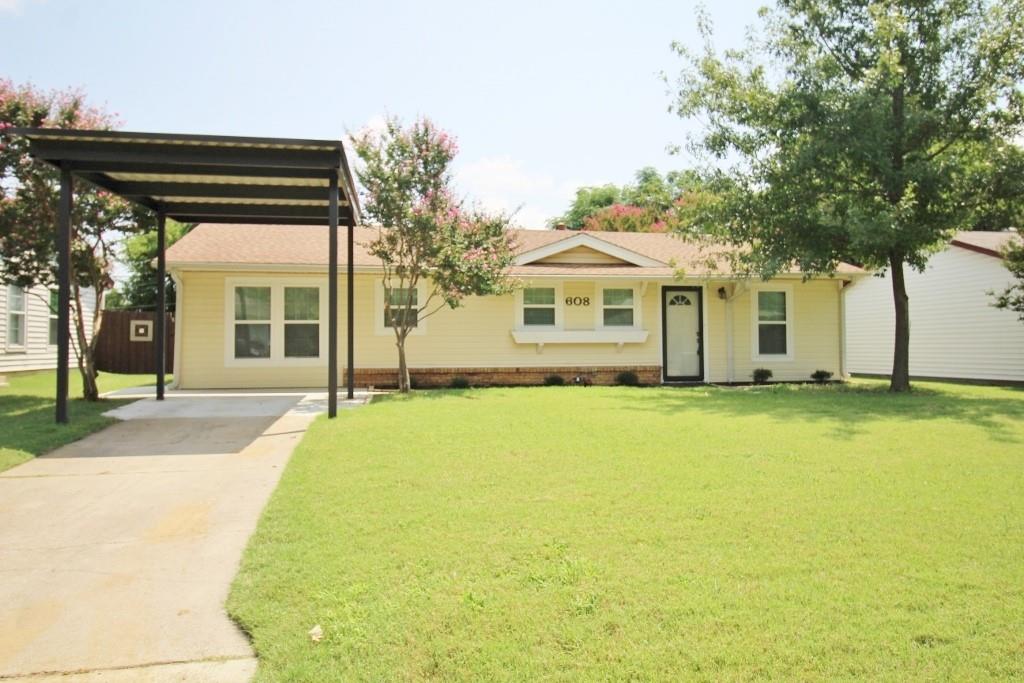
117	551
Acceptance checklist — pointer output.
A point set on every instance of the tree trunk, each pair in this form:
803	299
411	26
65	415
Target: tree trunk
404	383
86	349
900	380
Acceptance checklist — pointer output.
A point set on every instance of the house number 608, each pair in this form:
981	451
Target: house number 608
577	301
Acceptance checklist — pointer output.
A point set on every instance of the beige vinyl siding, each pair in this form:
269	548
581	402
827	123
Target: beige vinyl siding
478	334
37	353
581	255
579	317
954	330
815	319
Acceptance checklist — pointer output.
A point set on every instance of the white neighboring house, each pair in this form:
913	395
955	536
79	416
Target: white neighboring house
955	332
28	327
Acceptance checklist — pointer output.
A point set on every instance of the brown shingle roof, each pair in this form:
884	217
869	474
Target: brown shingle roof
294	245
991	243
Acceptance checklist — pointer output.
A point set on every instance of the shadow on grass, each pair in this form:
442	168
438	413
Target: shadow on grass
995	409
27	422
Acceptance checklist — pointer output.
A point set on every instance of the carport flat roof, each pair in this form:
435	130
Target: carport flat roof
208	178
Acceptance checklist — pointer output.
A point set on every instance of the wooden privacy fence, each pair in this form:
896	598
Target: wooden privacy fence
126	343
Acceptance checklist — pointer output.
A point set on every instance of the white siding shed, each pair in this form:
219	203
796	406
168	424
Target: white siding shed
955	332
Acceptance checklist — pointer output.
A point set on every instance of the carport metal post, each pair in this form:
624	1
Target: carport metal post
161	302
351	314
64	288
332	297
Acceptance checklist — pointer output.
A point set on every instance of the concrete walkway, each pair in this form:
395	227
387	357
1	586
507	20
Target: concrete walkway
117	551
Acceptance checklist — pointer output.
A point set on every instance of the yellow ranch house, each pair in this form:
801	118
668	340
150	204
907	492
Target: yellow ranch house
252	313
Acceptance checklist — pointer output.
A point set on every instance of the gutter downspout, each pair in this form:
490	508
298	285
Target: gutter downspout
179	297
730	369
843	284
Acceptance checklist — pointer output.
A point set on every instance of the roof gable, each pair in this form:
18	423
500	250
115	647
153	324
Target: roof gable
579	247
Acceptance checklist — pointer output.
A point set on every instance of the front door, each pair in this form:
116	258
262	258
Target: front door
682	334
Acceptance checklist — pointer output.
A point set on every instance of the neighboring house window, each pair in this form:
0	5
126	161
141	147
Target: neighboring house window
617	307
15	316
773	324
53	317
301	322
252	322
539	306
398	299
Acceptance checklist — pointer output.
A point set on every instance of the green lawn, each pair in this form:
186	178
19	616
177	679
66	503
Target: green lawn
27	428
807	533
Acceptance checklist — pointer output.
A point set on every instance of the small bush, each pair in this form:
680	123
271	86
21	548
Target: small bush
761	375
627	378
821	376
554	381
459	382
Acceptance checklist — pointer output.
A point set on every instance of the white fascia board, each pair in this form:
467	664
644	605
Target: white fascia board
587	240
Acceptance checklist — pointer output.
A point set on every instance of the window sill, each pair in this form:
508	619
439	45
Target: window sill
605	336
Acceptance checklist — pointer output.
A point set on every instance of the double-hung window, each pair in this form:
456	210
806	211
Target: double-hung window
279	323
15	316
252	322
402	304
538	306
53	317
301	322
617	307
772	324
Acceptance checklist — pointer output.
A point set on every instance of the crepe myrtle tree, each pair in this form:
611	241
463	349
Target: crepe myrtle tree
28	215
426	236
847	130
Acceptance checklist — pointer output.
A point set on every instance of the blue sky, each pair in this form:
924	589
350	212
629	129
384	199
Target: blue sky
542	96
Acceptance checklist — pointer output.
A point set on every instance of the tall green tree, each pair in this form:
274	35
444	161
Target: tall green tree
588	201
1012	298
139	290
845	131
435	252
28	214
644	205
995	186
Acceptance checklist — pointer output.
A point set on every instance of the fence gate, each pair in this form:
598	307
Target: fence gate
126	343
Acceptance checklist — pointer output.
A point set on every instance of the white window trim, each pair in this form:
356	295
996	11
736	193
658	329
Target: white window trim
755	340
637	307
51	316
24	319
380	329
277	358
517	322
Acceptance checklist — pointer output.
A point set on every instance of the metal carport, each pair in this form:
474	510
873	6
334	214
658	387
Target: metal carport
204	179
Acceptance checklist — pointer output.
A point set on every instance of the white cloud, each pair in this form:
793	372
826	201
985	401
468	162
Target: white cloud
506	184
14	6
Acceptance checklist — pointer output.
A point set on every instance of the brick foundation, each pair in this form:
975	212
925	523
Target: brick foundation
387	378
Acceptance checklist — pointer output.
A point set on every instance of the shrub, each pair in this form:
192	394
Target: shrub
761	375
459	382
627	378
821	376
554	381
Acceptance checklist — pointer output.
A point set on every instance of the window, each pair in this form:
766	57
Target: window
15	316
617	307
53	316
539	306
301	322
252	322
772	323
398	299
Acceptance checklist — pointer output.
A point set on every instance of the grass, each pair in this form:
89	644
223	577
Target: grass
27	428
557	533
